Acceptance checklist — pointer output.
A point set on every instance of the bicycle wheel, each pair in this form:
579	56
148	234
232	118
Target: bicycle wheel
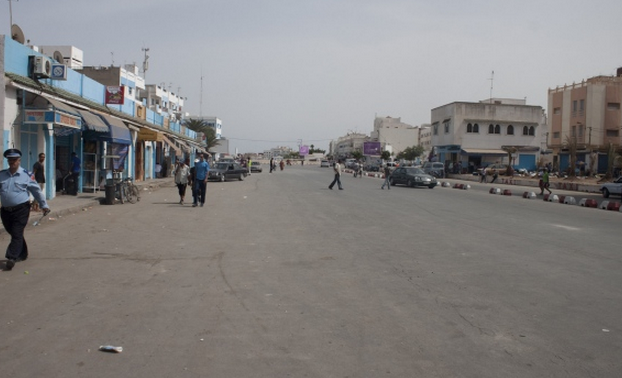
130	194
135	190
122	193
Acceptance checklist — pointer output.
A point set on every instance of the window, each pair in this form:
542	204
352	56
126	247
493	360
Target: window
581	131
556	135
476	128
532	130
557	111
525	130
510	130
435	128
491	129
581	106
612	133
446	125
613	106
497	129
574	107
469	128
573	132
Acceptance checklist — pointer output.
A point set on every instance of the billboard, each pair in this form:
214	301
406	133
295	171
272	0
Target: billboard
304	150
372	148
115	95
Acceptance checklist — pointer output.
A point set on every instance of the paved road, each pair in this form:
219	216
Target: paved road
280	277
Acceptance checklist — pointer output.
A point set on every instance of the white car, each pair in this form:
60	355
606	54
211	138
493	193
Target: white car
324	164
612	188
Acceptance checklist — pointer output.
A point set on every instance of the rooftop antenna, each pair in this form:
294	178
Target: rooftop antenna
145	62
492	79
11	14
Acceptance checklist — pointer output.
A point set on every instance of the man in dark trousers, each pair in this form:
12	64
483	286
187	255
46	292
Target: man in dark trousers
75	173
39	173
15	186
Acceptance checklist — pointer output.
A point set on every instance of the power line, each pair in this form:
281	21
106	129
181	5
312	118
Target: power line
279	141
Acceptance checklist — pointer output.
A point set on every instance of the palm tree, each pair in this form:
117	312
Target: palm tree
200	126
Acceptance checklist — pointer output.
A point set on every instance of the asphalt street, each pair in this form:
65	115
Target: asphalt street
278	276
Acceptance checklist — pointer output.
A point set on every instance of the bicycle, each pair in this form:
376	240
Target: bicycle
126	190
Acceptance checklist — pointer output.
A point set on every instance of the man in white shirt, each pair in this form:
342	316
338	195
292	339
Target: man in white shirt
182	172
337	169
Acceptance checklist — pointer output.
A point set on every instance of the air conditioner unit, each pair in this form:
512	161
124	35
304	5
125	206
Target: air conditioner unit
42	67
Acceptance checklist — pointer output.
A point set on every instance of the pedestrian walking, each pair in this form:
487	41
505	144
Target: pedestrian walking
75	173
483	178
15	186
39	174
249	166
545	182
495	174
360	169
271	165
337	170
201	171
387	175
191	181
182	173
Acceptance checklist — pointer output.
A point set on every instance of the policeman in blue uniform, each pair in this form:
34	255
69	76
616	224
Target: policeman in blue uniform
15	184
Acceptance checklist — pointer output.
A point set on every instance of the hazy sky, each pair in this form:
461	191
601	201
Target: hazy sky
276	71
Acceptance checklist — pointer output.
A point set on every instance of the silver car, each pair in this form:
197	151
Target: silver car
612	188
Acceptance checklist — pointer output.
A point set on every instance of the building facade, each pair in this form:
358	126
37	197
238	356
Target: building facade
476	134
588	114
73	114
394	135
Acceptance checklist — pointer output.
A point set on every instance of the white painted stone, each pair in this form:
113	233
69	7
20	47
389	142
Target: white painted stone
603	205
445	184
467	186
553	198
570	200
582	201
531	195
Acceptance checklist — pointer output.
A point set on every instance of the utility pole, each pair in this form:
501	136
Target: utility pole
11	15
492	79
145	63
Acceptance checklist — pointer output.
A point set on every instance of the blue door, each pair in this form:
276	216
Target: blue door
564	161
527	161
603	162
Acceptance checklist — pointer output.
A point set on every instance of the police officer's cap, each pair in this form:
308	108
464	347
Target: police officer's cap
12	153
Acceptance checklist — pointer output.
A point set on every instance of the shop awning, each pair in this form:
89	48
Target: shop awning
476	151
93	122
118	132
184	146
63	107
172	144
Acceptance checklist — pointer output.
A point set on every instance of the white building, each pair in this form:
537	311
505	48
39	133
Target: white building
214	122
478	133
344	146
394	135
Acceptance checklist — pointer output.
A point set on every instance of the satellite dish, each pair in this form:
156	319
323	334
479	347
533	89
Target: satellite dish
58	56
17	34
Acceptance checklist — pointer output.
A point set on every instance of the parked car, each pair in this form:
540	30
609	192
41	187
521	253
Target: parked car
410	176
226	171
434	169
256	167
612	188
324	164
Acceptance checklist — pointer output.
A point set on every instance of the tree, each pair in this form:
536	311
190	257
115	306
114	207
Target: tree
511	151
357	154
385	155
571	145
200	126
411	153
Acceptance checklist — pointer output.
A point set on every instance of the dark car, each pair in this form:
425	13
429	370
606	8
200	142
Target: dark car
434	169
227	171
256	167
411	176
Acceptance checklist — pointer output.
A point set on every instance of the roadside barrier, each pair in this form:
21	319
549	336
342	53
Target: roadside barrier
570	200
529	195
608	205
553	198
507	192
458	186
494	191
585	202
445	184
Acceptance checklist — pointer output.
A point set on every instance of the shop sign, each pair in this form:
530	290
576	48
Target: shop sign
48	116
150	135
115	95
